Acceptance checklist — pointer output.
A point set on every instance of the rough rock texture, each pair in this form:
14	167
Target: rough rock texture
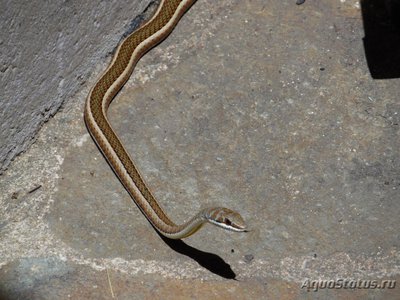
267	108
47	52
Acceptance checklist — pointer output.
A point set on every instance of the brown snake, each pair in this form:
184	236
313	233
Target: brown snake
125	58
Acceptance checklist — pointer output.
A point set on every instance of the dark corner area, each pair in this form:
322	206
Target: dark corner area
381	20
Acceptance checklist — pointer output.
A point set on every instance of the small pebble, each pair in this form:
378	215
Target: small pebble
299	2
248	258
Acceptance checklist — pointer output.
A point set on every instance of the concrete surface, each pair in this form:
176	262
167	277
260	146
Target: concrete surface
266	108
47	52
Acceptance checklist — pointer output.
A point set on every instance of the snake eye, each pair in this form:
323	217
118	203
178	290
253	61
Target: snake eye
228	222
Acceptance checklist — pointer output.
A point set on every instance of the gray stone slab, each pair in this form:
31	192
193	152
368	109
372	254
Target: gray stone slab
268	109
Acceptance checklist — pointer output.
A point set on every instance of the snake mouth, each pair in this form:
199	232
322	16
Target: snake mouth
234	226
228	225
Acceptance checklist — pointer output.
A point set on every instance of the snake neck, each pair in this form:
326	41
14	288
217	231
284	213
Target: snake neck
186	229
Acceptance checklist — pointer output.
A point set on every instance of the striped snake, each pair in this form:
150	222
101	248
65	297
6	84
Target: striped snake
128	53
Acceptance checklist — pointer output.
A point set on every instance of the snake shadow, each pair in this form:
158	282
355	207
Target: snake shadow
210	261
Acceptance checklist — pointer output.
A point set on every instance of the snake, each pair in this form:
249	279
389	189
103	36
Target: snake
124	60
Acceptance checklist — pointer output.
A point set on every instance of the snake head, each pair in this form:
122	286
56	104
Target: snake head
225	218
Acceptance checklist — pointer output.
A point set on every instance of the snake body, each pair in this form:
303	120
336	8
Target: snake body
128	53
